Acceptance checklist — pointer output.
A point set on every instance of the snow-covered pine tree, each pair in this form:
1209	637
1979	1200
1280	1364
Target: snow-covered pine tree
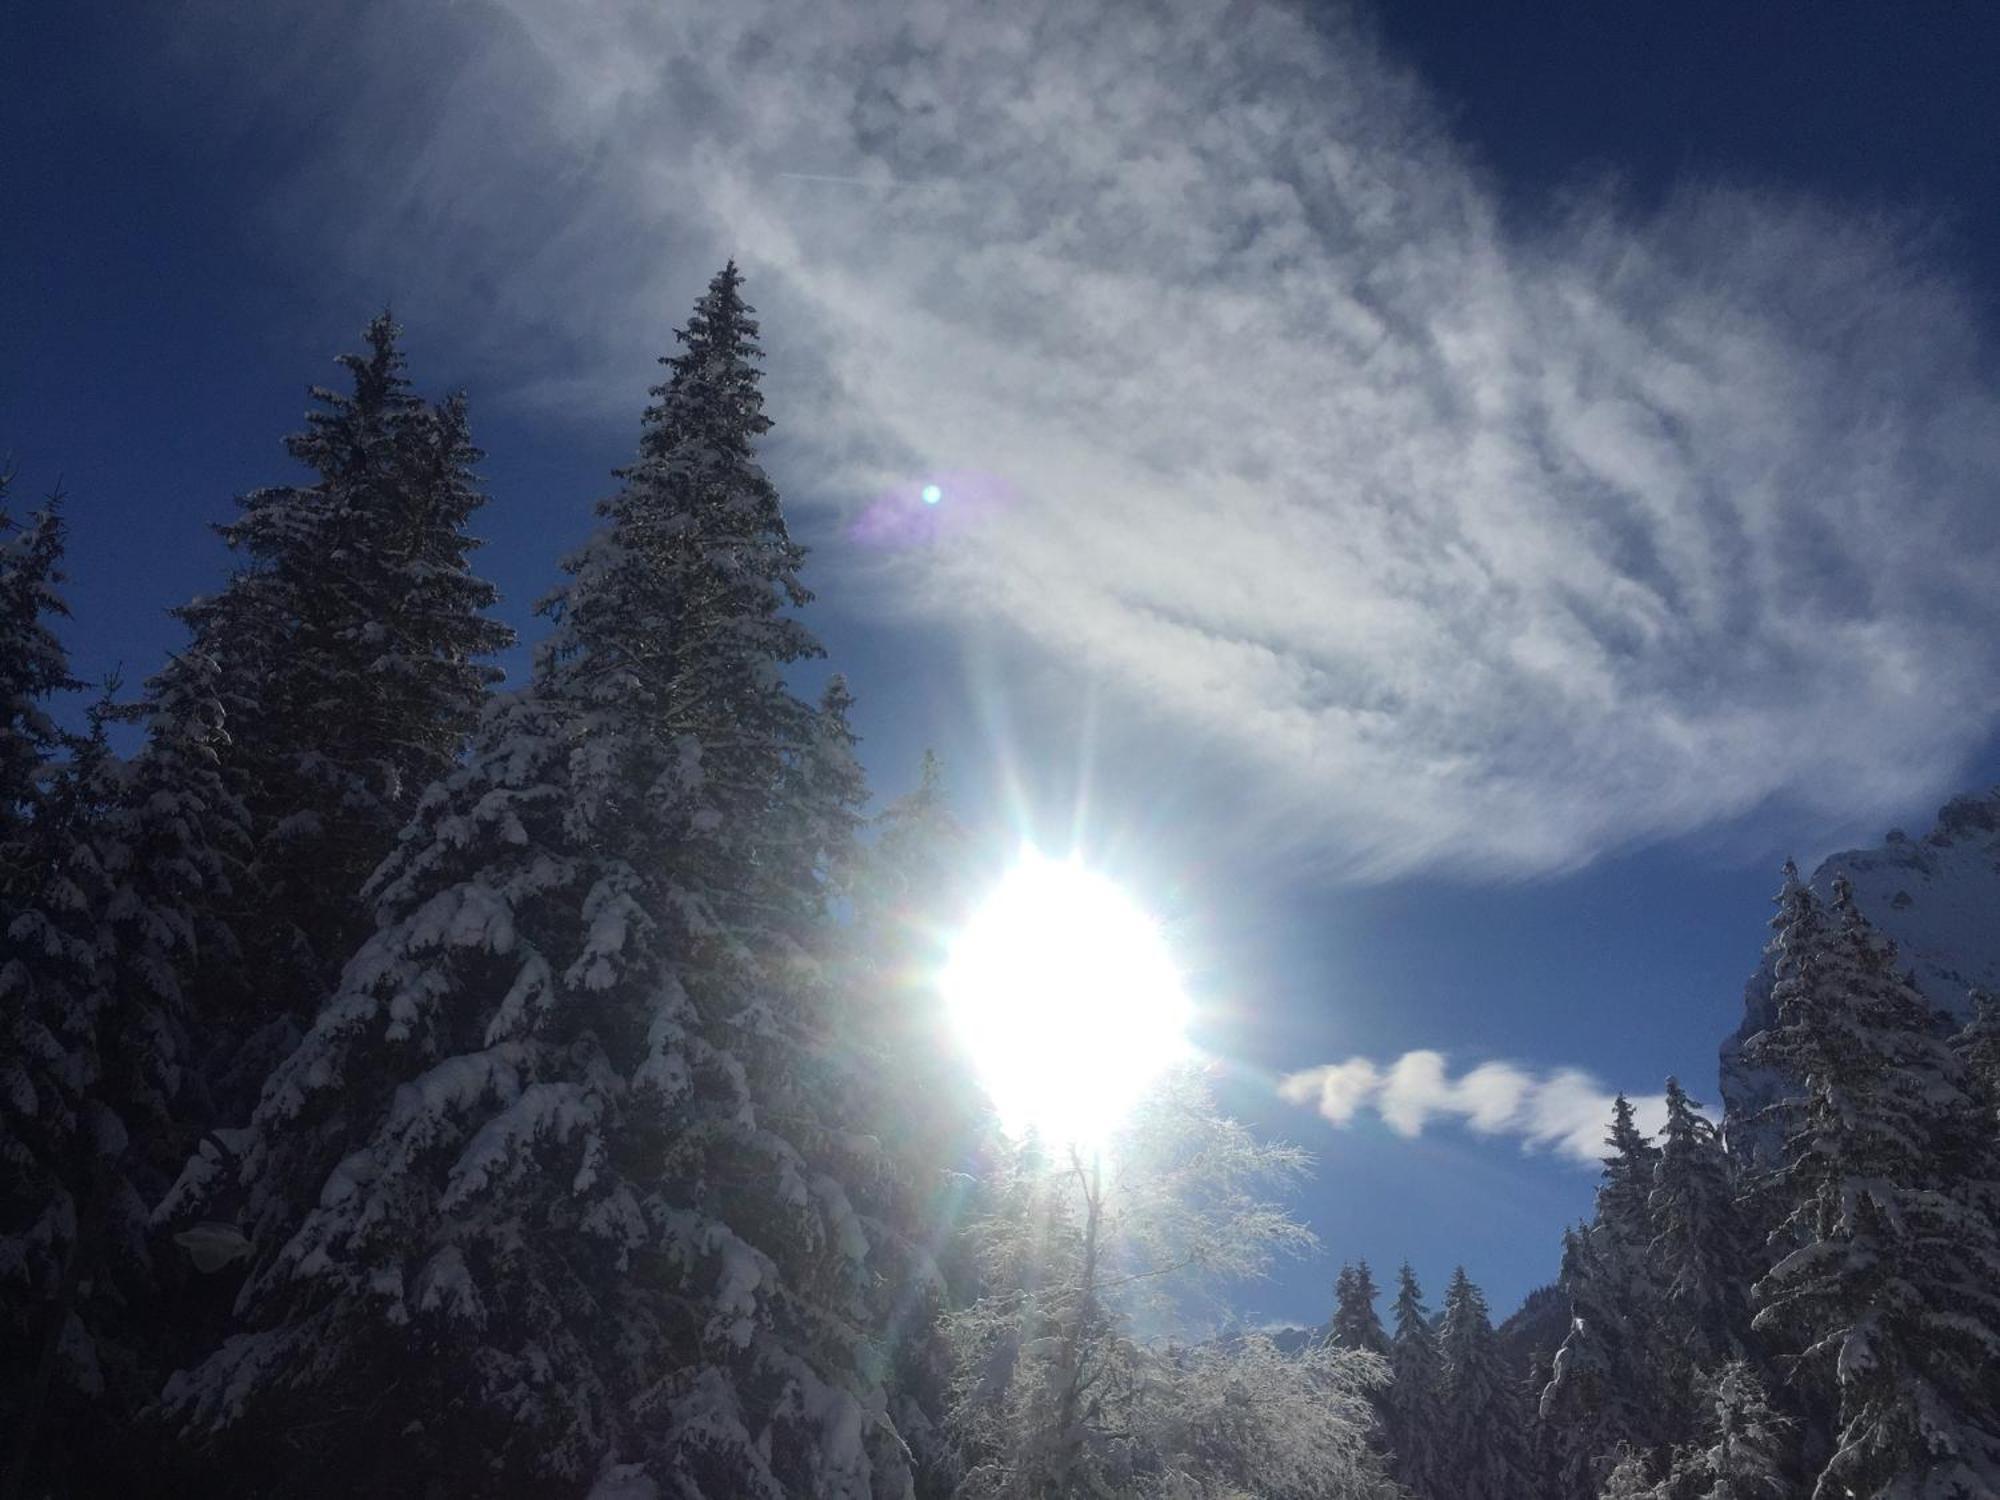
910	890
913	1179
1356	1324
1700	1263
1577	1440
134	858
1484	1454
349	645
45	961
820	804
1978	1043
1630	1477
1414	1400
1627	1187
1697	1246
1887	1283
1604	1394
1747	1448
546	1196
33	668
912	886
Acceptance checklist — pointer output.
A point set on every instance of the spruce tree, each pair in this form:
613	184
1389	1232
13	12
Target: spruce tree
910	890
1484	1453
1544	1450
1582	1410
552	1193
1747	1447
134	858
1356	1324
1697	1247
1420	1457
1604	1395
1700	1264
349	648
1631	1477
1978	1045
1627	1185
33	668
46	954
1887	1283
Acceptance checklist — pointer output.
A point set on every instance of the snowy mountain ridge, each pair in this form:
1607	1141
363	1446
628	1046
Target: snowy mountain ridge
1938	897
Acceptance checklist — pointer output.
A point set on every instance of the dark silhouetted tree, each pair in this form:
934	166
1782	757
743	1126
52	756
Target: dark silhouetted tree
1414	1401
1356	1324
349	648
1484	1453
554	1191
1886	1287
133	859
1604	1395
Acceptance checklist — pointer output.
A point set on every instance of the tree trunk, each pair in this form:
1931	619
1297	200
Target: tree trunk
1076	1353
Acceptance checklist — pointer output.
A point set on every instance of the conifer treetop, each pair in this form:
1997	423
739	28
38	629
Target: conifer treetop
33	665
573	1125
1887	1271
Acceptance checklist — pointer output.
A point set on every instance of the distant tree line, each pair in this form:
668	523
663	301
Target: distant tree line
410	1087
1810	1308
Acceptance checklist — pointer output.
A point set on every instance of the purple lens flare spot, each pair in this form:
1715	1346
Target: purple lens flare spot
914	514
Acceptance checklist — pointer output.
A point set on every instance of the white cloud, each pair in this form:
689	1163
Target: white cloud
1468	545
1567	1111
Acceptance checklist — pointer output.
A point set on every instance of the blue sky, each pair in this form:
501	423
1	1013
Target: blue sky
1451	498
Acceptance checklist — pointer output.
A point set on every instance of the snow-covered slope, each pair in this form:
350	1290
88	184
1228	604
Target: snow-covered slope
1937	896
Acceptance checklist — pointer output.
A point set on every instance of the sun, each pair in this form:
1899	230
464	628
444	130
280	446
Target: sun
1066	998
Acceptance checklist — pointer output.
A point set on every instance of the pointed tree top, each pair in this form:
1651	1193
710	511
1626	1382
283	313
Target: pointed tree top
710	397
1798	908
378	373
1626	1140
721	317
1681	1106
1412	1317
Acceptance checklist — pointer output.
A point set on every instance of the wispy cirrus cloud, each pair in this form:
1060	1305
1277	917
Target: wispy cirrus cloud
1468	545
1565	1111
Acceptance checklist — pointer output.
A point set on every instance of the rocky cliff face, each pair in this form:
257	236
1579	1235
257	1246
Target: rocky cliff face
1938	896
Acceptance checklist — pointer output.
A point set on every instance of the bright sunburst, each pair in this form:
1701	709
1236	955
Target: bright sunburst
1066	997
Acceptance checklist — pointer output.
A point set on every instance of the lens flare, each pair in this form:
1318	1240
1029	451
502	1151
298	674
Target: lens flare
912	513
1065	996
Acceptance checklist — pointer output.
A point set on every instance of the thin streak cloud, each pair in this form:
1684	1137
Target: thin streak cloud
1466	544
